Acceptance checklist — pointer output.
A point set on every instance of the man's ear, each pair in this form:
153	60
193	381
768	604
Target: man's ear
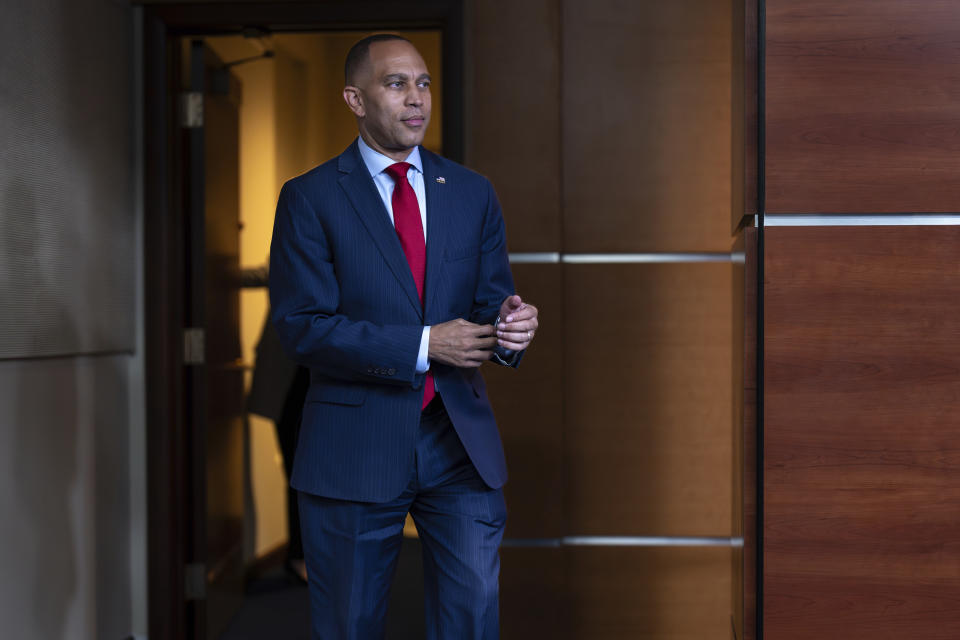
351	95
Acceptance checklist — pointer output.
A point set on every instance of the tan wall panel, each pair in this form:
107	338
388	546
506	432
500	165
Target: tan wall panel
513	114
532	594
647	125
648	399
528	403
259	158
291	114
649	594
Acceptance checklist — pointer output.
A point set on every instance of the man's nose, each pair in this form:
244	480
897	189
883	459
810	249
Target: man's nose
415	96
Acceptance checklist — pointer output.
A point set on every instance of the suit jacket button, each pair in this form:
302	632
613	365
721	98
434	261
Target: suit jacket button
391	371
369	369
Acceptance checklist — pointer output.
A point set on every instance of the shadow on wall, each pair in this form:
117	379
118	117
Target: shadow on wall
70	509
66	286
66	126
106	382
49	498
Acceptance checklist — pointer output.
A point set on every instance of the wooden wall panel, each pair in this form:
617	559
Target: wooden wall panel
648	399
862	108
528	403
745	113
618	421
647	125
862	458
533	594
649	593
744	465
513	114
612	593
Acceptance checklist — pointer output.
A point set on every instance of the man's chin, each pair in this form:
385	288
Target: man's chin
412	137
413	141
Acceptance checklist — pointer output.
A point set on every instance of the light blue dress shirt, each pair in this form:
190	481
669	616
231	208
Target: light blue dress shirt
377	164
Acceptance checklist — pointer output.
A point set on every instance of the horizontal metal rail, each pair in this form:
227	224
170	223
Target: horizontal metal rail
622	258
860	220
624	541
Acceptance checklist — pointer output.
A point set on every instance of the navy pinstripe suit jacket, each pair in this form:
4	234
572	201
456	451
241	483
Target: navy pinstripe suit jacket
345	305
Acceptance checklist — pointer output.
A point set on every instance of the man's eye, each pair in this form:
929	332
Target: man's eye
424	85
396	84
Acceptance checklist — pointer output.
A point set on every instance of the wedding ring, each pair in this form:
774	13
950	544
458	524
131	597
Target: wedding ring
529	334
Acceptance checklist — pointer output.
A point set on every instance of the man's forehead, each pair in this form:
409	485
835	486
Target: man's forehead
394	56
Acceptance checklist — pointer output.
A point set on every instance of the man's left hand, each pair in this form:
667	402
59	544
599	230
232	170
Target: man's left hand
518	324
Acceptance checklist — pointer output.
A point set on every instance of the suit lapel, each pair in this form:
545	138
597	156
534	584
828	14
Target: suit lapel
363	194
437	226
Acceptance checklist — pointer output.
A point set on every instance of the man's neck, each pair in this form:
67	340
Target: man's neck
397	155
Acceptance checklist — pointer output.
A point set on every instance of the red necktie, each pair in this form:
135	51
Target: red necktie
406	219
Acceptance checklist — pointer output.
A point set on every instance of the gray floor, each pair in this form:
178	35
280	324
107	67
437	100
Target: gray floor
277	606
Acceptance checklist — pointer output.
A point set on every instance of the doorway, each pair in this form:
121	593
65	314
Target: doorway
287	120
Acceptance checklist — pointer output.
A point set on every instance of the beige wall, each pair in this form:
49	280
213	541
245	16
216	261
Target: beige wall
258	168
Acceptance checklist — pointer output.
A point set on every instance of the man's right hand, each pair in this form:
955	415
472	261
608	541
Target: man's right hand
461	344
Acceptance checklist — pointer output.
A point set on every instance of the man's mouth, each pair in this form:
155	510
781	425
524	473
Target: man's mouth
414	121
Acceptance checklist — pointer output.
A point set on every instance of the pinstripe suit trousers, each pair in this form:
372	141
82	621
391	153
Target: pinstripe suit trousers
352	548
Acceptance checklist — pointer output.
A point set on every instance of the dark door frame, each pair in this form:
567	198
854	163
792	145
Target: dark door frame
166	223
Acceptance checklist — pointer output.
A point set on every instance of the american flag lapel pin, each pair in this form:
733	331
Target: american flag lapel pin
441	180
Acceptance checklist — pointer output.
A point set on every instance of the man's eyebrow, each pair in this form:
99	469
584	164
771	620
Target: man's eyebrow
394	76
424	76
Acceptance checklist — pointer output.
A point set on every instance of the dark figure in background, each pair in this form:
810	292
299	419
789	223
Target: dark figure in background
390	280
277	393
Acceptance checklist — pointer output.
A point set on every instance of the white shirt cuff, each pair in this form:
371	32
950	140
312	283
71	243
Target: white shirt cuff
423	356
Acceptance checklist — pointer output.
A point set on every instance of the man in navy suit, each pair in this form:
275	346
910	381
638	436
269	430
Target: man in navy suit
390	280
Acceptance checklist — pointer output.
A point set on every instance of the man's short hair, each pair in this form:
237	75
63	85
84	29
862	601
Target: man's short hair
359	54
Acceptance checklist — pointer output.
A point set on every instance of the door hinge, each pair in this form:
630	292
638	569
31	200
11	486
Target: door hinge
195	581
191	109
194	346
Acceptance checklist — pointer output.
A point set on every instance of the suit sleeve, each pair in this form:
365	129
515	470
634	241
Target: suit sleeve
495	283
305	299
